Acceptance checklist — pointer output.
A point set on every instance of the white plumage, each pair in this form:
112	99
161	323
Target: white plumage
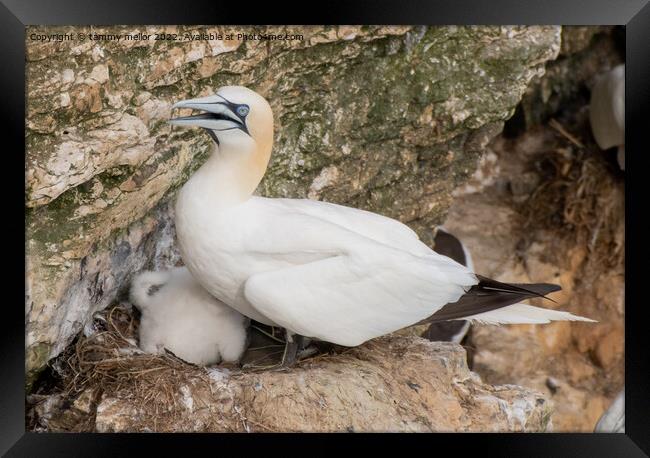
607	111
522	314
318	269
181	316
613	419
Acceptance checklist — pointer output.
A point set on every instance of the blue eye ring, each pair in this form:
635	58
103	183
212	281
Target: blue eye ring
242	110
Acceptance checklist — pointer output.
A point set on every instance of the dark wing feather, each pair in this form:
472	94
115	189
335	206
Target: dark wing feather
444	331
490	295
532	289
448	245
487	295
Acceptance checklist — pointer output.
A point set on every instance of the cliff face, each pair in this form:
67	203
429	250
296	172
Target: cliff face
547	205
389	119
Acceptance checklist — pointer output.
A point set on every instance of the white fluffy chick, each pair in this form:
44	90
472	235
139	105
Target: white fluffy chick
181	316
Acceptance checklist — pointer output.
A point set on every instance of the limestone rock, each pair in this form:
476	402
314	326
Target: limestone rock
586	51
389	119
389	384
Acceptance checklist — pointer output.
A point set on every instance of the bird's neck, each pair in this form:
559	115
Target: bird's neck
230	176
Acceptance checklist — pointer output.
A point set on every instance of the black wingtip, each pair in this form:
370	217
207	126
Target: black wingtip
542	289
535	289
490	295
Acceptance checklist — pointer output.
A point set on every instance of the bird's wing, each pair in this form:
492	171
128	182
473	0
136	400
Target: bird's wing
371	225
365	290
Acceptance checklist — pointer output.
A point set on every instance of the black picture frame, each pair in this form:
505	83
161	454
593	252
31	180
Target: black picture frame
634	14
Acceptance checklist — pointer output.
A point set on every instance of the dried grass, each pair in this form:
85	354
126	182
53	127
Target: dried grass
580	198
110	360
109	363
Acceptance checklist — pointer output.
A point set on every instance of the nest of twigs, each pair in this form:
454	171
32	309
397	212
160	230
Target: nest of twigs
152	390
111	361
107	362
581	197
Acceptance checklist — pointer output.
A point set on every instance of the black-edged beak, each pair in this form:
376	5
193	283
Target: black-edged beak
218	114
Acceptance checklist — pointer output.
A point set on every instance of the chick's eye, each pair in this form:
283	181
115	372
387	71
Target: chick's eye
242	110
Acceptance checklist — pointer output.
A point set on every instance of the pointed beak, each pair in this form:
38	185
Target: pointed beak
217	114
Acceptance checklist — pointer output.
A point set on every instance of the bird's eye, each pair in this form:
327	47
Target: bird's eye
242	110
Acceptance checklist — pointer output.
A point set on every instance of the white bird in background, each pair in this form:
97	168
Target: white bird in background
613	419
181	316
607	111
317	269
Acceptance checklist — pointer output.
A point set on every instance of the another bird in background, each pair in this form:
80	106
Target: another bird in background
317	269
607	111
448	245
181	316
613	419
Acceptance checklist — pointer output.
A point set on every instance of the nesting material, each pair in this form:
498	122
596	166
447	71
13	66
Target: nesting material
108	364
181	316
392	383
579	198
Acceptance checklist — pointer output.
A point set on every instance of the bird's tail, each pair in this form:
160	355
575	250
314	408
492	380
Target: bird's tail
144	285
494	302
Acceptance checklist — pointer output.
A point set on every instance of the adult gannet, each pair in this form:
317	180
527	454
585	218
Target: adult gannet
317	269
178	314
